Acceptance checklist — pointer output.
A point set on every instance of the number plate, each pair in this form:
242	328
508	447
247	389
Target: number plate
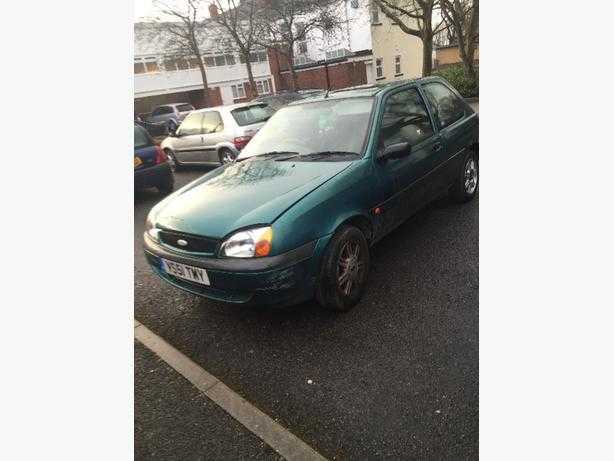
183	271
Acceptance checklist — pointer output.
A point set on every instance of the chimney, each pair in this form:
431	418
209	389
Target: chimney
213	12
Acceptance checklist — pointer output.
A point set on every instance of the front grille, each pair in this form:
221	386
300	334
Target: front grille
194	243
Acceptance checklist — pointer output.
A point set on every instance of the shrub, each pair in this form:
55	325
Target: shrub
456	76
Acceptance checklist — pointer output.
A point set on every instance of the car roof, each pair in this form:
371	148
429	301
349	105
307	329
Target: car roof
174	104
230	107
361	91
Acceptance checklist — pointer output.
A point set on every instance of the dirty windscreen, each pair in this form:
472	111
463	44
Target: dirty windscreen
327	125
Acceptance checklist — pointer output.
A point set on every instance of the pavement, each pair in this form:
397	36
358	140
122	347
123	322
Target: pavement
396	377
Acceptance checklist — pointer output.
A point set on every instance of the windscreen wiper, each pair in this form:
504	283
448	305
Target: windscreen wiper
332	154
274	153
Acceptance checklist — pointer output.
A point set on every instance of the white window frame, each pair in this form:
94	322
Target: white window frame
397	65
238	90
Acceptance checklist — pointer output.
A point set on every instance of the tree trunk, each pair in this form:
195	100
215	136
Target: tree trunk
292	71
427	55
250	77
206	101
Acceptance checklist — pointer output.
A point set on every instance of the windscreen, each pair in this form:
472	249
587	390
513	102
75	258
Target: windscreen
140	138
251	114
327	125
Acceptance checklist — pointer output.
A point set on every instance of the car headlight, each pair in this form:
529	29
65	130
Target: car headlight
150	227
249	243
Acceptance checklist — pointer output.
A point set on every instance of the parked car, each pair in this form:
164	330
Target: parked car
170	114
325	179
277	101
151	166
154	129
215	135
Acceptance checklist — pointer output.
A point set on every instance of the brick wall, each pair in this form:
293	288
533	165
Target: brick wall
146	105
340	75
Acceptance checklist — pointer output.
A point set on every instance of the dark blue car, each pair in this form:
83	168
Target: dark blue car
151	166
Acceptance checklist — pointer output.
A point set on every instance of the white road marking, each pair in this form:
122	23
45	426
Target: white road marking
277	437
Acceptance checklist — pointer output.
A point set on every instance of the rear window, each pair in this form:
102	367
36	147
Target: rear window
184	107
251	114
141	138
162	110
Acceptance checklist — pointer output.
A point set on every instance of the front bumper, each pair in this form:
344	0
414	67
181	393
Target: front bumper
285	279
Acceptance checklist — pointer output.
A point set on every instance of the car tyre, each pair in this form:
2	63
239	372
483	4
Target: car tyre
466	185
226	156
344	270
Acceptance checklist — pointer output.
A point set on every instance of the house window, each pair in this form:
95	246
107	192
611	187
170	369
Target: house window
238	91
263	87
193	63
354	4
301	38
341	52
220	60
379	68
397	65
151	65
182	64
375	15
139	67
262	56
230	60
209	61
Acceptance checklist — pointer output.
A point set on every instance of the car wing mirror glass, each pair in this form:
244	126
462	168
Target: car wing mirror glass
396	150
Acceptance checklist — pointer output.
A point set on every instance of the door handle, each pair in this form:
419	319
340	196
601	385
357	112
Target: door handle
437	146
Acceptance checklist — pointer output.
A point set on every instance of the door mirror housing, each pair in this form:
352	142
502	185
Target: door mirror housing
172	132
396	150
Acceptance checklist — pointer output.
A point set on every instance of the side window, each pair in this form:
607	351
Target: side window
212	122
448	107
192	124
405	119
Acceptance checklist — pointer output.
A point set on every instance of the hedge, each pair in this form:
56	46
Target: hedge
456	76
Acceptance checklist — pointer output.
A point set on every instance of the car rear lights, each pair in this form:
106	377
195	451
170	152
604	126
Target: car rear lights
160	156
241	142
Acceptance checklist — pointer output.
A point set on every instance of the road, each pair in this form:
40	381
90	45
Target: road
396	377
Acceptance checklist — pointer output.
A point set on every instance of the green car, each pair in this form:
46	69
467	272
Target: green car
326	178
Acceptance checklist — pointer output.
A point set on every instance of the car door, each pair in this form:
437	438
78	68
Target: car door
451	115
213	128
188	144
405	118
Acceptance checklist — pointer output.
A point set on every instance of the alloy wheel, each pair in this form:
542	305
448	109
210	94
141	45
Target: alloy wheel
471	176
350	267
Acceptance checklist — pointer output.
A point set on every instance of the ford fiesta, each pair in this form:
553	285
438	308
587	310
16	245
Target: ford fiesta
325	178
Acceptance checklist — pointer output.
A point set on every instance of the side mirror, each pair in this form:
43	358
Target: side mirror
396	150
172	132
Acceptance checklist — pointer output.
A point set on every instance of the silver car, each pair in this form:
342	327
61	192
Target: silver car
170	114
215	135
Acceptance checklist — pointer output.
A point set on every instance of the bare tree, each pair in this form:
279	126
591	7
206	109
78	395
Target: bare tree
463	18
284	23
184	35
237	19
415	17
